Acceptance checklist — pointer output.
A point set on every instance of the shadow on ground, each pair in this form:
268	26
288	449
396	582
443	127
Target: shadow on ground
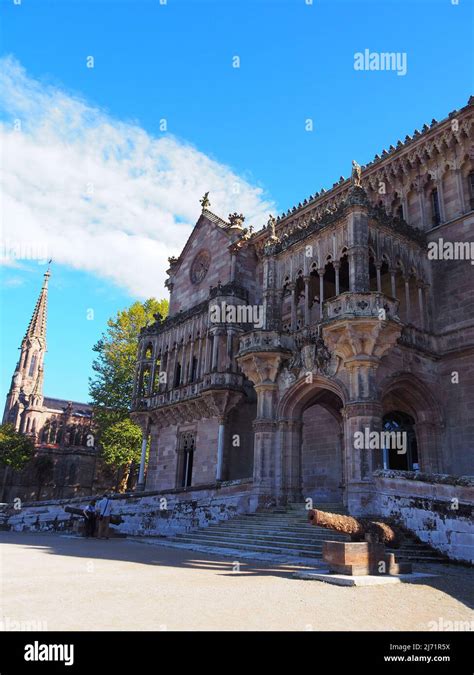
455	580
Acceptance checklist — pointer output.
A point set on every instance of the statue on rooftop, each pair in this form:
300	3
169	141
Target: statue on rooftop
205	203
356	177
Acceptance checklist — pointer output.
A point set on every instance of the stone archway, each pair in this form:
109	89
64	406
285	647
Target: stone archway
406	393
312	458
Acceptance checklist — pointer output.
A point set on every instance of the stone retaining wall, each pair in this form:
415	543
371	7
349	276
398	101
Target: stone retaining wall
163	513
438	508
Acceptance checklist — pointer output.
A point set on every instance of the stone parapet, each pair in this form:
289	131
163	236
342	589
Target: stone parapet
438	508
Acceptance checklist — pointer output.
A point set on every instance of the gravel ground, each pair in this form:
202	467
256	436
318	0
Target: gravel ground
65	583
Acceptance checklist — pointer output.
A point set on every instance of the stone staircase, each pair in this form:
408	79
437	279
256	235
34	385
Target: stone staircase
283	533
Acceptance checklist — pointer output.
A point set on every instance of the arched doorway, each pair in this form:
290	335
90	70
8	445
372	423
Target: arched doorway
322	449
311	442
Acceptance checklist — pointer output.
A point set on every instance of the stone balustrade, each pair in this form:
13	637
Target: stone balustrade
265	341
185	392
350	305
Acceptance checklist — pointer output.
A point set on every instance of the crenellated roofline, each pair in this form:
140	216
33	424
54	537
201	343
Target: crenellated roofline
404	150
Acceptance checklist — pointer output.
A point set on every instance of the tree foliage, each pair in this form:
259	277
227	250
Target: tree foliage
121	448
111	387
15	448
121	443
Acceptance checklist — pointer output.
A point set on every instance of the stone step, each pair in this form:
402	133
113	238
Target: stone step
411	549
279	538
233	526
289	535
283	541
281	532
284	532
224	544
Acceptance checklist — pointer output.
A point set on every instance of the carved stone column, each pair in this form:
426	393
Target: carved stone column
199	358
378	268
421	305
229	341
293	306
337	267
215	351
358	239
171	368
321	291
360	343
407	300
421	200
438	180
393	281
306	301
262	366
220	449
219	403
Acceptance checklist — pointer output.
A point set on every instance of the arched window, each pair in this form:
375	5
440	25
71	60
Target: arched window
156	377
470	182
187	443
33	361
435	212
149	351
400	450
145	381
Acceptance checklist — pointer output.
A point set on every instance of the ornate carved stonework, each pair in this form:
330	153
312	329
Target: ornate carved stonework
312	356
200	266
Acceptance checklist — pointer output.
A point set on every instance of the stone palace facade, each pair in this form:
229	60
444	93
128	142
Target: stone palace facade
350	314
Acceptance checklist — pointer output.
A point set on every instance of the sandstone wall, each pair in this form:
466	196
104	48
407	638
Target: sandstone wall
438	508
162	513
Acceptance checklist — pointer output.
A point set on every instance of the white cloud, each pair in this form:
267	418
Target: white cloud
145	190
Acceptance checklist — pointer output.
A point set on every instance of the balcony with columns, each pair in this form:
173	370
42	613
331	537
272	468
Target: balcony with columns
188	354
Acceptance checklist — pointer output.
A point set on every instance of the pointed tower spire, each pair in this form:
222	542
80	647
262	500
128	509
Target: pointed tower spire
26	389
37	326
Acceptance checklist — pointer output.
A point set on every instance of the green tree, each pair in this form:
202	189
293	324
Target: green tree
15	448
111	387
121	448
15	451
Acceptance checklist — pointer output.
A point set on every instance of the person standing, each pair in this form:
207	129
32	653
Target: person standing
89	519
104	511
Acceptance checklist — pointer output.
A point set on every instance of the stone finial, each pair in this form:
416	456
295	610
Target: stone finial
204	201
356	176
236	219
172	260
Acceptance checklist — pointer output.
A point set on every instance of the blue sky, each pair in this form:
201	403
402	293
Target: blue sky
93	177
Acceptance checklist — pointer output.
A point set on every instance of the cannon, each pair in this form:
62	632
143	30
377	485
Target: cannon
359	529
365	553
114	519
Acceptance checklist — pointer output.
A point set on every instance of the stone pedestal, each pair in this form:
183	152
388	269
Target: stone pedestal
361	558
